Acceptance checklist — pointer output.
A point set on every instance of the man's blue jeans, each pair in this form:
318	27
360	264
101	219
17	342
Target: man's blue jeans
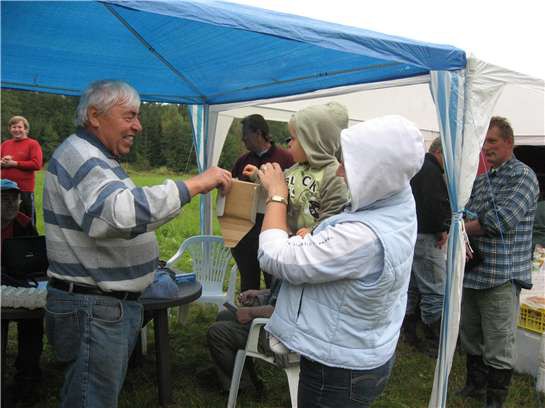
428	277
95	336
321	386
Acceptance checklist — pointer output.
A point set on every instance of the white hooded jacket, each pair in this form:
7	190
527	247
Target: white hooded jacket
344	293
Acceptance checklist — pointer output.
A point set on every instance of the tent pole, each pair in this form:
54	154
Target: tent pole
207	147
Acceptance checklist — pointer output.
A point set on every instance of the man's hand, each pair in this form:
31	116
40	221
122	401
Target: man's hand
441	239
250	171
208	180
245	315
302	232
249	297
473	227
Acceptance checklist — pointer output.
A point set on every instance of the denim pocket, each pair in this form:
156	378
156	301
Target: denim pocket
63	329
108	312
366	386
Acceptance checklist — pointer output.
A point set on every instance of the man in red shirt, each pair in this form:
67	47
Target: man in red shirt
29	331
21	156
261	150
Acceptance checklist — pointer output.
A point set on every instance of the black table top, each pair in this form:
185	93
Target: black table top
187	293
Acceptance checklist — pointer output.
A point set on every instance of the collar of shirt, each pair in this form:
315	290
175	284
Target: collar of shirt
506	165
93	139
264	152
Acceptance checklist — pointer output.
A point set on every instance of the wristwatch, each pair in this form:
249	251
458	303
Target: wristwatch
277	199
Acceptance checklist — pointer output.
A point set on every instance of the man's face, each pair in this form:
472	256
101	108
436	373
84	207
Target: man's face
18	130
117	128
252	141
10	206
496	149
439	157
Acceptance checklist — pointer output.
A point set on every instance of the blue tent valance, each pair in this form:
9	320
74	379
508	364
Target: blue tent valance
199	52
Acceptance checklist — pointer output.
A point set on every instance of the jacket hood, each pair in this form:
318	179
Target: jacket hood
318	130
380	158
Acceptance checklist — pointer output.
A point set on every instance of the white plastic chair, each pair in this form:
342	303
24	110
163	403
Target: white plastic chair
251	350
210	260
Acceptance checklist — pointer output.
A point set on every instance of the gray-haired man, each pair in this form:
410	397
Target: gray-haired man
101	246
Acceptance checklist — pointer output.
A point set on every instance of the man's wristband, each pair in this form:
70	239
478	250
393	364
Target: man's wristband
277	199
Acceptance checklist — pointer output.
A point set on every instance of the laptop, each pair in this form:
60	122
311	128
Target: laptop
24	257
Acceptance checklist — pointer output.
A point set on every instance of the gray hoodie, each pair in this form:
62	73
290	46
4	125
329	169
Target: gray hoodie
315	192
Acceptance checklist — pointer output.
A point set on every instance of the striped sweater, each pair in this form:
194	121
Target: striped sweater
99	225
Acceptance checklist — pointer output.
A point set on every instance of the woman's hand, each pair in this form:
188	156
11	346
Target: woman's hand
272	179
7	161
302	232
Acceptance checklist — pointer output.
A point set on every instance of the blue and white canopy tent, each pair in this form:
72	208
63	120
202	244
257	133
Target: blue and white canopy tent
215	56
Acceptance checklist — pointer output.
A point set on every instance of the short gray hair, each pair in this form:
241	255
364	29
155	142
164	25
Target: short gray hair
436	146
104	95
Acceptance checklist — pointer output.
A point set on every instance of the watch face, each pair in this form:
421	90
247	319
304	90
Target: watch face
278	199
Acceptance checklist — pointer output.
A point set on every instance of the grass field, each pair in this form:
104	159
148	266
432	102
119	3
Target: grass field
409	386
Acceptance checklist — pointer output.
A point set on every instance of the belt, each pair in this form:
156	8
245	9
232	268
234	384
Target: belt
72	287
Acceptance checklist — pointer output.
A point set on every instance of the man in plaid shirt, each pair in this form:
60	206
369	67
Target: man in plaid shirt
502	208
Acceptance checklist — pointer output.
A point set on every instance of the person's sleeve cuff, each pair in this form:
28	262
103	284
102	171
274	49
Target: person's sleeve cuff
183	191
272	235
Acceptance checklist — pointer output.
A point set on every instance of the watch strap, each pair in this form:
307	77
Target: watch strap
277	199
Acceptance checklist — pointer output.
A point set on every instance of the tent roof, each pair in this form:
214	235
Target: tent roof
203	52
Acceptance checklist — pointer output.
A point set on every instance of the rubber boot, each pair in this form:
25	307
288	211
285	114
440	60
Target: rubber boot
433	333
498	387
476	378
409	330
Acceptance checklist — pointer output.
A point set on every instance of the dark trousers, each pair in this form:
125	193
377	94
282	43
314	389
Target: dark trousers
321	386
245	254
29	348
224	338
27	205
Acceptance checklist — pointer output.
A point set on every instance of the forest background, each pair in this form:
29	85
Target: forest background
166	141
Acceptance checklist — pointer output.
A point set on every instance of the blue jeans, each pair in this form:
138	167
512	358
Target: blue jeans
321	386
428	276
94	336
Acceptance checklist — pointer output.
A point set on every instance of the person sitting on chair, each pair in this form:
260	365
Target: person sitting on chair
29	331
230	331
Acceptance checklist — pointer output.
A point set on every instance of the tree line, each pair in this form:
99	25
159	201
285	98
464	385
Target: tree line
166	140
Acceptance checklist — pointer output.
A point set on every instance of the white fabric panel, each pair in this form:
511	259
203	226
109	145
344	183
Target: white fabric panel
342	90
196	113
222	128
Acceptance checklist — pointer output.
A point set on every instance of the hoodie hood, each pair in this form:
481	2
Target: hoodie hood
318	130
380	158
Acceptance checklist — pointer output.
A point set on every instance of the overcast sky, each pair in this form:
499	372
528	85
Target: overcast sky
509	33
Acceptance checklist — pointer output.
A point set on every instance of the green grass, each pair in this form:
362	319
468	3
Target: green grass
410	384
